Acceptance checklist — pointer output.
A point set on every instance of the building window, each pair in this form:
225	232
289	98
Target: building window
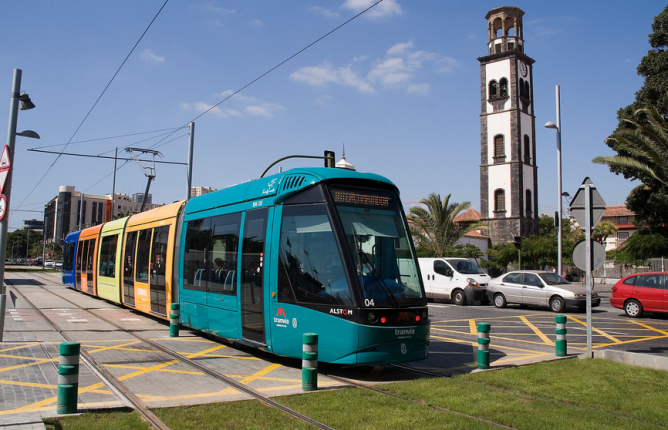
493	89
527	91
503	85
499	149
500	203
621	238
529	212
527	149
622	220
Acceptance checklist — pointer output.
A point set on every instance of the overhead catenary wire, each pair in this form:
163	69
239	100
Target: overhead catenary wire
95	104
275	67
108	138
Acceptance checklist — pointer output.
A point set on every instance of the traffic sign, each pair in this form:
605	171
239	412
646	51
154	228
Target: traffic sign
3	179
578	205
3	206
580	257
4	160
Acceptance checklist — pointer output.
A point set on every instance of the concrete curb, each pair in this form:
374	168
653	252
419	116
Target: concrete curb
634	359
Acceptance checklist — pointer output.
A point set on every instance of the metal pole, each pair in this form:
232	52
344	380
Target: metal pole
27	244
559	242
588	264
11	138
191	145
113	187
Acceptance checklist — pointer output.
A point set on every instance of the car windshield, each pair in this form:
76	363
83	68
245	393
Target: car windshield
379	245
465	267
553	279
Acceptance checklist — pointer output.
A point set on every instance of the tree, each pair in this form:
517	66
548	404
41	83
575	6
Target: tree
603	230
500	256
19	240
642	149
433	228
467	250
650	207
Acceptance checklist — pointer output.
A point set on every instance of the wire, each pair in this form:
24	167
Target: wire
108	138
275	67
95	104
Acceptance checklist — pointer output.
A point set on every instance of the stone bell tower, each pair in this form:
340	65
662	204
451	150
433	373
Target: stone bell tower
508	172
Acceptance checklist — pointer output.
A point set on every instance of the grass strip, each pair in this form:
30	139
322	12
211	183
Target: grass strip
107	419
247	414
556	395
355	408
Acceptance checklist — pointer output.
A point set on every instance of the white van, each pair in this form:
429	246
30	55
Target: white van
456	279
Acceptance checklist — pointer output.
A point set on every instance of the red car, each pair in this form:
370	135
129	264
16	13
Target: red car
641	292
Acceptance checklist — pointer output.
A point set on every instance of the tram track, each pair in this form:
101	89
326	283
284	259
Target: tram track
133	399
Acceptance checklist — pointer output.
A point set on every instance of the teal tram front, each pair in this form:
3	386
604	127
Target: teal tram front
312	250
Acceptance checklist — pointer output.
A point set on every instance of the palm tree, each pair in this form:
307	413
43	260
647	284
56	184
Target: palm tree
433	228
647	146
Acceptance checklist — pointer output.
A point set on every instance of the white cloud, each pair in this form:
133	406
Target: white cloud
360	58
398	70
257	23
324	74
385	9
245	104
214	8
324	12
148	55
323	99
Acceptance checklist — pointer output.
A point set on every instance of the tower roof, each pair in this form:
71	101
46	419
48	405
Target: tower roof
510	11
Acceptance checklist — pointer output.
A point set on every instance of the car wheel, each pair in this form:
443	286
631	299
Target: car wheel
499	300
633	308
557	304
459	297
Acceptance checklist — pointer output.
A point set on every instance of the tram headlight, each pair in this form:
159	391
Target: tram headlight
372	317
383	320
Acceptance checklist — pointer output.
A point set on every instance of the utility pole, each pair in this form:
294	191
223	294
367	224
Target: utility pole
113	187
191	145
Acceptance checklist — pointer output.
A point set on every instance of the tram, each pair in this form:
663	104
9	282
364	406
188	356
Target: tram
320	250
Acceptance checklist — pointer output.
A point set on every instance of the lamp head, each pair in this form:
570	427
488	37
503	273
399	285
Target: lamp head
551	125
28	133
26	103
565	194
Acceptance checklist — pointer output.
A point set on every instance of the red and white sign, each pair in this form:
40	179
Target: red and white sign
4	160
3	206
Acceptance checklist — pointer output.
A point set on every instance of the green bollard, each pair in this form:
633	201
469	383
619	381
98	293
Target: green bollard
561	345
174	320
310	362
483	345
68	377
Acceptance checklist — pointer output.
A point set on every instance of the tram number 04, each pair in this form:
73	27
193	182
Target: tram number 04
368	302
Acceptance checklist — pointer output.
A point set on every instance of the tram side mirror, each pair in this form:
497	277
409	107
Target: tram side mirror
329	159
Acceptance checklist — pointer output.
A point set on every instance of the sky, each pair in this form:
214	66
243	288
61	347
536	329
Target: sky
399	86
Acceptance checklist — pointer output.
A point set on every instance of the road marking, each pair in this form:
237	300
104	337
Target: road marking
205	352
130	319
651	328
247	380
77	321
601	332
535	329
472	327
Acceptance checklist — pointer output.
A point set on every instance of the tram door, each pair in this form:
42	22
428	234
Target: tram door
252	276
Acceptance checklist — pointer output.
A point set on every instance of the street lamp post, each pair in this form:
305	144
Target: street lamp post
26	104
557	126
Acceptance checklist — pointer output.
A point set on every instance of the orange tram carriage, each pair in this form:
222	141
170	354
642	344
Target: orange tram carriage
310	250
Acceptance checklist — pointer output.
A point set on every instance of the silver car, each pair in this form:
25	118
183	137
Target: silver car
535	287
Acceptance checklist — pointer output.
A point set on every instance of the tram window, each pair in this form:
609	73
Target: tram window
128	268
223	254
108	256
373	225
252	275
143	248
78	268
198	235
89	263
311	269
157	265
69	256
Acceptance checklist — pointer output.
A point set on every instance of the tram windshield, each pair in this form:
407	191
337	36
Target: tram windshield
379	245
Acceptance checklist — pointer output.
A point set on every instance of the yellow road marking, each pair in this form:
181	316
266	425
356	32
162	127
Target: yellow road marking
651	328
15	348
28	384
36	362
601	332
147	369
493	337
184	339
247	380
240	357
122	366
205	352
472	327
535	329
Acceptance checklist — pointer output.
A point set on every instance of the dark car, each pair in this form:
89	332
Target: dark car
646	292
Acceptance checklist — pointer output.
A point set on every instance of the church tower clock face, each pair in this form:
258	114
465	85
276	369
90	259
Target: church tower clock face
508	172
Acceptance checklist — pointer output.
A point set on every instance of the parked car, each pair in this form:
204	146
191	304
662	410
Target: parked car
58	265
646	292
456	279
535	287
48	263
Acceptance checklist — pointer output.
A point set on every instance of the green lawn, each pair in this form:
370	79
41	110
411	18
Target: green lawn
564	394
